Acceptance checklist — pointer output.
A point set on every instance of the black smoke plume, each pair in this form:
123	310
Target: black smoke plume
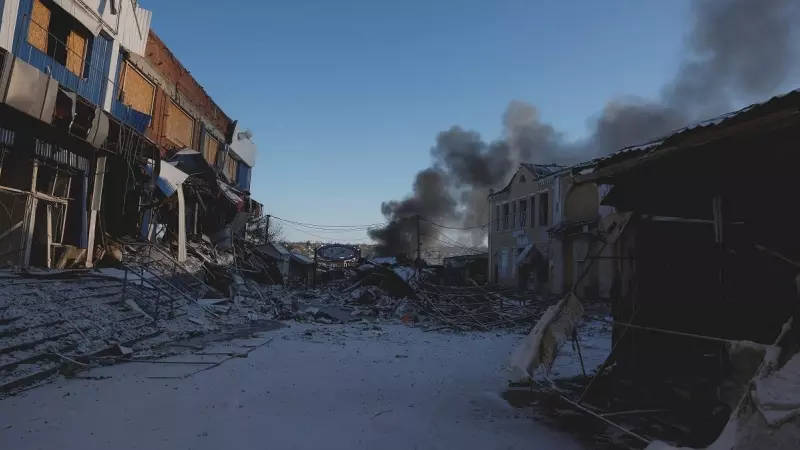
738	51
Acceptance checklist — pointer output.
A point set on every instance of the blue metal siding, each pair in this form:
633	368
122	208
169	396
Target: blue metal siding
138	120
243	176
93	87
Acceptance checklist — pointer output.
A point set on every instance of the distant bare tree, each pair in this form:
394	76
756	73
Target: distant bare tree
256	228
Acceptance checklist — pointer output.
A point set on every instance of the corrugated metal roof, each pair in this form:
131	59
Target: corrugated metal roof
543	170
761	108
170	178
538	170
303	259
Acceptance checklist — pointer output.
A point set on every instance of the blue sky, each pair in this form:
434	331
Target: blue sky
346	97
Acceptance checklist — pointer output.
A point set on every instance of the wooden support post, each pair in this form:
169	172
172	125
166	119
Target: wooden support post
97	199
30	217
181	225
49	236
65	215
419	245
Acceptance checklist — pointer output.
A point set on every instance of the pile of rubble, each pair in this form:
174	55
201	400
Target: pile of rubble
394	291
62	320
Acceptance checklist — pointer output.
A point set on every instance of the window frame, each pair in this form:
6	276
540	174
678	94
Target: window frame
166	123
514	214
544	213
228	160
129	66
76	27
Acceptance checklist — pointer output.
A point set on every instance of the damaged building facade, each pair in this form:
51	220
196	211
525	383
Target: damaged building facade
94	109
544	231
711	260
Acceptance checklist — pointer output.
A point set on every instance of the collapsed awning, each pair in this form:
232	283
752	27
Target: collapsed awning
229	192
170	178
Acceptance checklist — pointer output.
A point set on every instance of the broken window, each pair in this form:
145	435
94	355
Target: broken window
544	208
497	218
60	36
137	91
505	216
179	126
523	212
513	215
533	212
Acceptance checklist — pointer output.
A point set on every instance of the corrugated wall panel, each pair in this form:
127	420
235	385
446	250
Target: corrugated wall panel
134	29
60	155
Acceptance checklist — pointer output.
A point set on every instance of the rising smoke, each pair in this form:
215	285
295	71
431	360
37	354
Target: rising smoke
737	51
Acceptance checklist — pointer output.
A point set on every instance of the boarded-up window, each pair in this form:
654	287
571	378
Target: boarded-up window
59	35
210	149
137	91
179	126
230	168
76	52
40	23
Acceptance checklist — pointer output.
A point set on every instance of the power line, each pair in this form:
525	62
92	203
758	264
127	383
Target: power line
471	251
319	226
457	228
324	238
375	225
453	243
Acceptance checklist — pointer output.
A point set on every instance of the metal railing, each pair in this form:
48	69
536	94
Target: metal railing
169	281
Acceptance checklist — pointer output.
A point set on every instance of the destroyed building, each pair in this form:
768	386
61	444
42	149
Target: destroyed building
542	227
716	253
706	269
103	131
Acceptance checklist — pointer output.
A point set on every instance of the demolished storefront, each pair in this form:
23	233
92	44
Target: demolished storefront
56	149
706	264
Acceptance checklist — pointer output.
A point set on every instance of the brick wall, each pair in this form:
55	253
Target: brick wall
161	59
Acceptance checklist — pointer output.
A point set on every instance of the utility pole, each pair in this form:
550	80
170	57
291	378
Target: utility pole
266	230
419	251
314	275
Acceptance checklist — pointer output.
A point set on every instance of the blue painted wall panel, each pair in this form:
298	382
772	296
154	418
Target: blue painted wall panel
92	86
243	176
138	120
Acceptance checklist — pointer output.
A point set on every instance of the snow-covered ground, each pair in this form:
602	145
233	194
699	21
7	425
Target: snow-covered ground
357	386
